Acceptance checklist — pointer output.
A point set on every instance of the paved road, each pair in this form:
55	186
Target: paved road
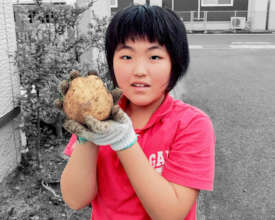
236	87
231	41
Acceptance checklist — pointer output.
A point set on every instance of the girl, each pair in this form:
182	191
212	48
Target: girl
154	156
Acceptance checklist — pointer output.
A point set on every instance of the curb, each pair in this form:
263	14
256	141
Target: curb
229	32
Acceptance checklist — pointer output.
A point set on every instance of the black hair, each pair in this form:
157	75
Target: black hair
155	24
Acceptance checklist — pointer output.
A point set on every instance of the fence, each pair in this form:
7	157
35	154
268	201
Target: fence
210	20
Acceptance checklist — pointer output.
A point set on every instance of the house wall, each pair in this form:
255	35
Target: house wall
125	3
213	13
121	4
9	90
190	5
258	15
238	5
167	4
271	23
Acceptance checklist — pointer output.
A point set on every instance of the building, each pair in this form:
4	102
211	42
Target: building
212	15
251	15
31	2
29	5
10	138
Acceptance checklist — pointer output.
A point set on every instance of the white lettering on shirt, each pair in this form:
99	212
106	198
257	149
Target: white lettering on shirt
152	160
160	161
157	160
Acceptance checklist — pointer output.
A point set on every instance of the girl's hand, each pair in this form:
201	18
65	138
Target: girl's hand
117	131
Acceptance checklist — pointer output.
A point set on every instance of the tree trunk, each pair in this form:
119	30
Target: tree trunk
38	138
58	127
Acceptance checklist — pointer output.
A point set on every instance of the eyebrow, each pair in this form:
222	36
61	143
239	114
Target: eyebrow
125	46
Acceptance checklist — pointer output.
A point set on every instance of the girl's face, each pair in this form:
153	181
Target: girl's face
142	70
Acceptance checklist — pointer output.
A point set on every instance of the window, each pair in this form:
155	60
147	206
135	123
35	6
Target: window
139	2
113	3
209	3
31	16
47	19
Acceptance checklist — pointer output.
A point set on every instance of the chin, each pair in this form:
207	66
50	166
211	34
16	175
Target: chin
140	102
143	102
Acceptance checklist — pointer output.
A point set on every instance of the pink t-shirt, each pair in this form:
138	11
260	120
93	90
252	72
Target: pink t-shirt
179	143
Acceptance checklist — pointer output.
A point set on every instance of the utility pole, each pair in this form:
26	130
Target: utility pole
173	5
267	15
199	9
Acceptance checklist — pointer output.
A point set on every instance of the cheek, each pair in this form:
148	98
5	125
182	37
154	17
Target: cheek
163	75
121	75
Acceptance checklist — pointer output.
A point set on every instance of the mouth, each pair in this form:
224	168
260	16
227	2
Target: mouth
140	85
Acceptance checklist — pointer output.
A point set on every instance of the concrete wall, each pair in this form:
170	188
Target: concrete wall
9	90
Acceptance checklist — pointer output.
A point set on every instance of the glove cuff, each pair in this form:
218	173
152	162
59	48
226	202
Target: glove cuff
126	142
81	140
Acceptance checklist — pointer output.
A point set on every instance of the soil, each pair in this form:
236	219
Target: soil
29	193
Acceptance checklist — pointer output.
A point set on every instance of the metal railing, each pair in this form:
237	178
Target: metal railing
205	16
210	20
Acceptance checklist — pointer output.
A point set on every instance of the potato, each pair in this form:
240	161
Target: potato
87	96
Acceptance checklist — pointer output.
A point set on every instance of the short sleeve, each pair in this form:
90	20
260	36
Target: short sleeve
69	148
191	160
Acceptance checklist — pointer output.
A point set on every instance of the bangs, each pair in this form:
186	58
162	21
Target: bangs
141	23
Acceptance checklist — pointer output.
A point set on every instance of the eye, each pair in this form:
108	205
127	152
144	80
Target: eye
155	57
125	57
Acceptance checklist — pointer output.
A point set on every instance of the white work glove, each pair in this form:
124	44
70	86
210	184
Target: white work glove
117	132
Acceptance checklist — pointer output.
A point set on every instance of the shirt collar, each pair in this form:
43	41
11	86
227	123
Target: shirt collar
163	109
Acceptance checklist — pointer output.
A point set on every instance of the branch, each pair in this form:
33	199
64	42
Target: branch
47	187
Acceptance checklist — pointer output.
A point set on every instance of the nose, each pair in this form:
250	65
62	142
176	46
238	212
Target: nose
140	68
